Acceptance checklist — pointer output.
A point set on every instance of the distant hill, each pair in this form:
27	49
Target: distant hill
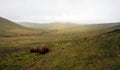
34	25
9	28
69	26
7	24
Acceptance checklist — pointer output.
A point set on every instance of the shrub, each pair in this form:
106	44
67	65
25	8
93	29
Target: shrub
41	49
34	50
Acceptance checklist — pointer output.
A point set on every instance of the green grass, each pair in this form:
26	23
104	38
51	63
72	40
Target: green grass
75	48
96	53
93	54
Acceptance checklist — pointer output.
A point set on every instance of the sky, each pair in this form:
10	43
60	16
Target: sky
47	11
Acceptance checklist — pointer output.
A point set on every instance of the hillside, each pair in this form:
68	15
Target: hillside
96	53
72	46
72	28
63	26
6	27
34	25
7	24
9	28
100	52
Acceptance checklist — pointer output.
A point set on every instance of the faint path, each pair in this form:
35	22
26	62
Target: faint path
32	65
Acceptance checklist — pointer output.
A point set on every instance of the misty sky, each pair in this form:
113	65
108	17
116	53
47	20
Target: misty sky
46	11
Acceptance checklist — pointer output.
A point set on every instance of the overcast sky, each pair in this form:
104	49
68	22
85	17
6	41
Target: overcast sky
46	11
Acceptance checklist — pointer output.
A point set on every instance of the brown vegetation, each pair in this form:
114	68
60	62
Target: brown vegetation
34	50
41	49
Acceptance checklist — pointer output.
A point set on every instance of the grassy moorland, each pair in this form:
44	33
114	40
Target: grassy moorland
73	46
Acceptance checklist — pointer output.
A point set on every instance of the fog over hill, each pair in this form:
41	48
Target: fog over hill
47	11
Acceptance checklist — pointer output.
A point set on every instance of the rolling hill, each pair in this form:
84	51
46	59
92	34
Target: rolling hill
9	28
72	28
72	46
6	27
63	26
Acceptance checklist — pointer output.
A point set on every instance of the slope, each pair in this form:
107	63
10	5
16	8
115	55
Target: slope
9	28
77	53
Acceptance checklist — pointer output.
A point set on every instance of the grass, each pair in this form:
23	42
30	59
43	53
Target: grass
84	56
71	49
96	53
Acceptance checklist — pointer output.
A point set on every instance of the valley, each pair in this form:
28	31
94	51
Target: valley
73	46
